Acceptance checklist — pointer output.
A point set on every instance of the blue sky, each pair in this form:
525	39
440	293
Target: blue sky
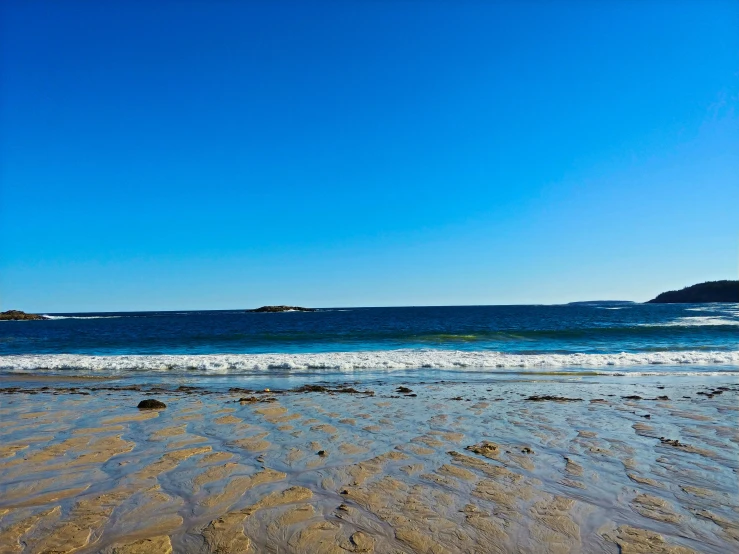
195	155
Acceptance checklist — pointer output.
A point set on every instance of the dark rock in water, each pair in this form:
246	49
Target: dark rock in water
632	397
321	453
403	390
546	397
151	404
17	315
710	291
276	309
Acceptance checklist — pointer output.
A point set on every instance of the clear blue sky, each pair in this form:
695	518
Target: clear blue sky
194	155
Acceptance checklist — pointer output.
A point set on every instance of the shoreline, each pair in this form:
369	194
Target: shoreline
549	465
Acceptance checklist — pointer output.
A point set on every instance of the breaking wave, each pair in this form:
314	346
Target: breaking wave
350	361
47	316
694	321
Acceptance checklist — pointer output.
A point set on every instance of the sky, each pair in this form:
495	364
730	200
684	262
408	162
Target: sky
218	155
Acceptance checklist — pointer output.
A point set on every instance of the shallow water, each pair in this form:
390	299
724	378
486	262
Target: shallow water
210	472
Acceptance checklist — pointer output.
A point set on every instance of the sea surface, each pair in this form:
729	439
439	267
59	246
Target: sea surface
598	337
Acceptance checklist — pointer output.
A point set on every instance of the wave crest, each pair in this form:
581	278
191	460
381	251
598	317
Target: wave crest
349	361
47	316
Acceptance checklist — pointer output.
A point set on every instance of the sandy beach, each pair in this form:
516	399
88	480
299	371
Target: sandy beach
513	466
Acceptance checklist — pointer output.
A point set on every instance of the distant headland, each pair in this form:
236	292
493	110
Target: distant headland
710	291
17	315
276	309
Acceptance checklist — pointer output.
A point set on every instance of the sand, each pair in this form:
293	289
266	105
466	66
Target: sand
512	466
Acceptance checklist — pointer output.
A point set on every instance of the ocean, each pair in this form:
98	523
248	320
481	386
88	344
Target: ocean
592	427
600	337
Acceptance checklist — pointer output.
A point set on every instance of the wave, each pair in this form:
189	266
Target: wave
47	316
694	321
350	361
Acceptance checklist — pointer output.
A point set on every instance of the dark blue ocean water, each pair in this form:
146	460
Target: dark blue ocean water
597	328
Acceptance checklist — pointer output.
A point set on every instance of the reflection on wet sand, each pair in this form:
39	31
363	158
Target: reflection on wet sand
520	466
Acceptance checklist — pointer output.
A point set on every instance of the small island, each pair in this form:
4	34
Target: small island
710	291
17	315
277	309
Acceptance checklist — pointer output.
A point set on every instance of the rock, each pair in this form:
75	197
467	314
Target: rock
403	390
276	309
485	448
710	291
17	315
151	404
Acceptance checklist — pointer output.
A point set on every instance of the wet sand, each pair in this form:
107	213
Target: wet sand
513	466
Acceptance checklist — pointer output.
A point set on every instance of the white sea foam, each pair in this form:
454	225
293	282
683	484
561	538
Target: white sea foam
350	361
663	373
47	316
694	321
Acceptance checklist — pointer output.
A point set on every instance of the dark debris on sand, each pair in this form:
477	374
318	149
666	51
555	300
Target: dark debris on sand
547	397
253	399
47	390
331	390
